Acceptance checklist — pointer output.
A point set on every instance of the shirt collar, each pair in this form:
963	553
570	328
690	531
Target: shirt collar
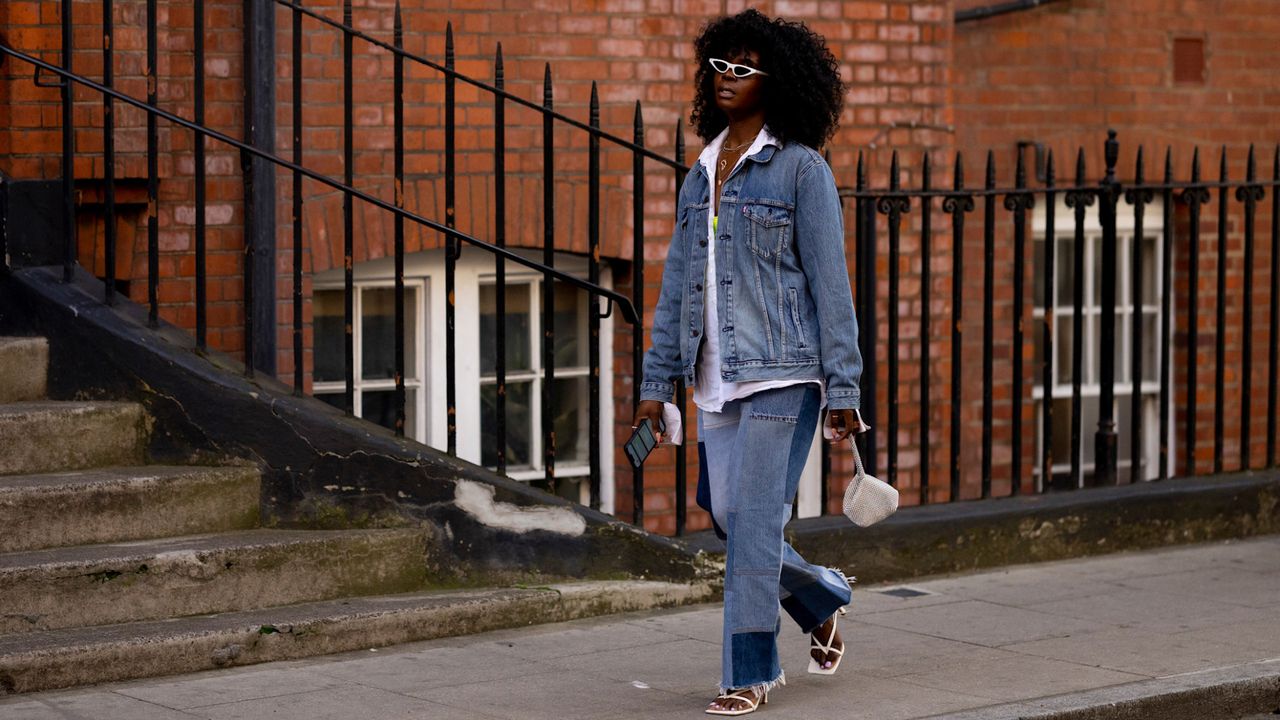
763	138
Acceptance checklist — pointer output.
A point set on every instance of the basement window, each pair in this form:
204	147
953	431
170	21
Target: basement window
374	331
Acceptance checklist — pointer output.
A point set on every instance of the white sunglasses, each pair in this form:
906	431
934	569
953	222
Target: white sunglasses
739	71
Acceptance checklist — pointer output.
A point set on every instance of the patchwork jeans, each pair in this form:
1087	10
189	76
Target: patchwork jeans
752	454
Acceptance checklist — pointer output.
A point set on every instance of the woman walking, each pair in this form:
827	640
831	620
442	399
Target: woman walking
756	314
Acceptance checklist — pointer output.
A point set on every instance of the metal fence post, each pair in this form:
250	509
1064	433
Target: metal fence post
1105	442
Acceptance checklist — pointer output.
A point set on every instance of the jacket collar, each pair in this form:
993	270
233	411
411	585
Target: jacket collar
761	150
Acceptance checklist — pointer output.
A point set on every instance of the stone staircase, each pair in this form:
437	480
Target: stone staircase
111	568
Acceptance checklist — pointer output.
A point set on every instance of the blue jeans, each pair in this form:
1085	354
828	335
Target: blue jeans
752	454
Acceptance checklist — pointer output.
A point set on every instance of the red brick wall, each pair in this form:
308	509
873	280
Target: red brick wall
894	53
1064	73
31	144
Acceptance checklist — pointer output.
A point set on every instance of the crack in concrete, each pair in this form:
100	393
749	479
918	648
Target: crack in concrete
146	387
29	618
336	455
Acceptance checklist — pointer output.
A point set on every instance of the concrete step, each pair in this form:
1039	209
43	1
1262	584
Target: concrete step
37	437
79	656
129	503
174	577
24	368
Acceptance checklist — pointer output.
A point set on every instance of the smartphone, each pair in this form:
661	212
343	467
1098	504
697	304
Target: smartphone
641	443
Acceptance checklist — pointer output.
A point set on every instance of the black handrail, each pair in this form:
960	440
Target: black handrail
624	304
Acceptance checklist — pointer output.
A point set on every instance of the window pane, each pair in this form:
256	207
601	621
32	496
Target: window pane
1123	340
571	326
1093	349
1150	271
1123	412
571	420
1150	347
1066	271
1094	266
569	488
1118	346
380	407
338	400
378	333
1037	272
1061	431
518	424
1088	432
330	342
517	328
1062	343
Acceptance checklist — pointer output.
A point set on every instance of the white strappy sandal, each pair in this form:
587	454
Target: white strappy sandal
743	695
827	649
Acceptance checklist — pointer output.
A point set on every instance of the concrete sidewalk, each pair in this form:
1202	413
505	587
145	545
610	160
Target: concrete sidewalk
1116	636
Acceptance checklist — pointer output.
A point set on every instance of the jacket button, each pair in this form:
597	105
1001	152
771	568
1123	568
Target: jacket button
693	333
703	243
698	287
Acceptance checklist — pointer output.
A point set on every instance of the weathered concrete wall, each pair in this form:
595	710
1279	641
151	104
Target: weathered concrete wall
968	535
319	466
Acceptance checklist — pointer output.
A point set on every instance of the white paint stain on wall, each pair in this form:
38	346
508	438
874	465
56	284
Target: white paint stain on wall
477	500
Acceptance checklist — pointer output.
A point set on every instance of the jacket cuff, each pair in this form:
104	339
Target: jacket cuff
843	399
656	390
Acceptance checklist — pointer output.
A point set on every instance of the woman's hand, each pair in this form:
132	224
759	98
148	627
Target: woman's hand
652	410
843	424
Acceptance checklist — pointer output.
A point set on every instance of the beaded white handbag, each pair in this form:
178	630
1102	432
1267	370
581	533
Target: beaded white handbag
868	499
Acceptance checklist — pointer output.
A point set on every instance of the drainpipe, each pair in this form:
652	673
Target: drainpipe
260	177
986	11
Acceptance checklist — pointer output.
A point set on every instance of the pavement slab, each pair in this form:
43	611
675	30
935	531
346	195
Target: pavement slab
1164	633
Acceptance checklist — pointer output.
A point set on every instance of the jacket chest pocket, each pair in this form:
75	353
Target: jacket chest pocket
768	228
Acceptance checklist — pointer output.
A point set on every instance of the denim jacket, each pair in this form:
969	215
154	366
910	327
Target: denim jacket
784	303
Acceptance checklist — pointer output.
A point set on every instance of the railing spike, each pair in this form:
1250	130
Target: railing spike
679	146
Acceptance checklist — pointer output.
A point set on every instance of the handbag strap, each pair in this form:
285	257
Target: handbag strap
859	473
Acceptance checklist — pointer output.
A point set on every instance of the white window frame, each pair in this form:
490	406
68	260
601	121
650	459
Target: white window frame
1090	386
426	271
536	375
413	376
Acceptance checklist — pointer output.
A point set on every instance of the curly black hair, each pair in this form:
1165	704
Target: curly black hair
803	92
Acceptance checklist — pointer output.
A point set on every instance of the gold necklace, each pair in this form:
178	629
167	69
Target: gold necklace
724	161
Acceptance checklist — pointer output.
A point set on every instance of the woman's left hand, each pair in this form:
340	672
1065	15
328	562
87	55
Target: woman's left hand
843	424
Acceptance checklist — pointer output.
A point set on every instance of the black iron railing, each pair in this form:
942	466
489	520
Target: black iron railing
550	116
1235	200
631	308
897	205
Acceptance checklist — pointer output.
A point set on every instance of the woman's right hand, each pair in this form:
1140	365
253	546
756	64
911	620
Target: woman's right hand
651	410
